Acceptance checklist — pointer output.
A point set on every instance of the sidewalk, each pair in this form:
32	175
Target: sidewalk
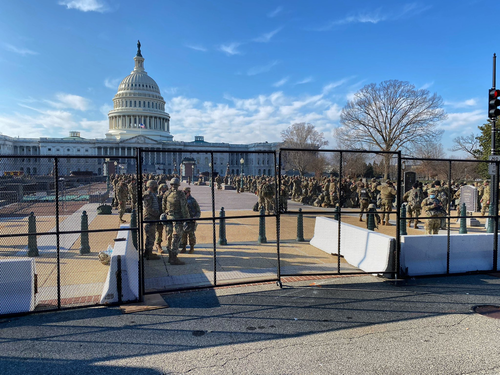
346	325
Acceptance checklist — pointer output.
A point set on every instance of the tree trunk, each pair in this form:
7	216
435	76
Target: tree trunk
387	164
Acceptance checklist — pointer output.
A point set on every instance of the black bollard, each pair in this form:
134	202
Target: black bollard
336	214
300	226
32	245
262	226
463	220
370	219
402	221
222	228
85	247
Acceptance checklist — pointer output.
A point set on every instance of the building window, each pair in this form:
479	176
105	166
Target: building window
49	149
135	103
139	104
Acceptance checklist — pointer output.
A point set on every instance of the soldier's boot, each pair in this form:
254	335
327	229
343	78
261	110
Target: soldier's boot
361	218
175	261
158	248
191	249
151	256
183	250
383	222
416	227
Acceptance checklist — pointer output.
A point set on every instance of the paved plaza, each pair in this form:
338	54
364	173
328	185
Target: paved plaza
243	259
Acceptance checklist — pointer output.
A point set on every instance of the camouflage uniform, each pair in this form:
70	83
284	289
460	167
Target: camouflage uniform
190	226
132	190
485	199
122	199
414	199
432	208
364	199
387	194
175	206
159	227
151	211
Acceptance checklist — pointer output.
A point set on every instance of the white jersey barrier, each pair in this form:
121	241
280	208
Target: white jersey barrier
17	285
362	248
123	274
427	254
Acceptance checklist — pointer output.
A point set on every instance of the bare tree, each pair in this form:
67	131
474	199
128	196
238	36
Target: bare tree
468	144
303	136
431	169
390	117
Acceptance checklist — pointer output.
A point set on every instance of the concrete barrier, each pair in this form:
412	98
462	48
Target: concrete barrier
427	254
17	286
122	282
367	250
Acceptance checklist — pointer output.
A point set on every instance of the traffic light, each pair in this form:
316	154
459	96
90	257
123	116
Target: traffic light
494	103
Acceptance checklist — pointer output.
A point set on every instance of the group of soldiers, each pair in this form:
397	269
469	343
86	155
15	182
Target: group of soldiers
161	203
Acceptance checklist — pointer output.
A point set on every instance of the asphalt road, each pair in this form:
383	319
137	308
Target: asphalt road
348	325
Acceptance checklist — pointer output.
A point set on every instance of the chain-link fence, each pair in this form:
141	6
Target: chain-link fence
55	219
68	225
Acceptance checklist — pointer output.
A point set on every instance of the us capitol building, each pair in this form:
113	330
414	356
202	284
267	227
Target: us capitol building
137	120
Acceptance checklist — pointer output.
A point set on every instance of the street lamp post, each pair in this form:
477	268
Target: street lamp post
242	162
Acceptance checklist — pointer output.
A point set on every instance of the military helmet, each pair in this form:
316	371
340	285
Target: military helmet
374	179
175	181
371	205
151	183
431	191
187	188
162	186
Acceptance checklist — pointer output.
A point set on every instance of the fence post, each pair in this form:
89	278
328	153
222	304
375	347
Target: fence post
300	226
85	247
336	214
262	226
222	228
133	224
402	221
32	246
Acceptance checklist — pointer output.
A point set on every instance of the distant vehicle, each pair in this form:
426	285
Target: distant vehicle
81	173
13	173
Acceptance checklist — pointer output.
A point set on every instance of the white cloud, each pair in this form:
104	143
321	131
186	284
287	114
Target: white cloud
265	38
70	101
458	121
230	49
376	16
197	47
170	91
275	12
246	120
463	104
262	69
112	83
304	81
281	82
426	85
85	5
19	50
329	87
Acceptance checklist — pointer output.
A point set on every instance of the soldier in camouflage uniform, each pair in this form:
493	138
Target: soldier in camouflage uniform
485	198
122	200
151	211
116	184
364	199
414	198
387	194
190	226
175	206
162	189
433	209
132	190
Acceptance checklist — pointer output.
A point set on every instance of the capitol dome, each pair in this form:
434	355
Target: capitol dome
139	108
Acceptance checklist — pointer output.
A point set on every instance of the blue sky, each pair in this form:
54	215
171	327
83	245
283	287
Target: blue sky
238	71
